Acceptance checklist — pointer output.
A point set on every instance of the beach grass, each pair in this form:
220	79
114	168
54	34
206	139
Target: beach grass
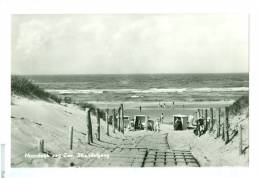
24	87
239	104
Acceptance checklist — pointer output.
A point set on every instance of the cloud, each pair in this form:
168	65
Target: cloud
58	44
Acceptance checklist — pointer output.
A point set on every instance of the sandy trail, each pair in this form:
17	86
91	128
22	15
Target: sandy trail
145	149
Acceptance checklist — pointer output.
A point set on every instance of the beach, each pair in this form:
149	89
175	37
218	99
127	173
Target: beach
154	110
34	119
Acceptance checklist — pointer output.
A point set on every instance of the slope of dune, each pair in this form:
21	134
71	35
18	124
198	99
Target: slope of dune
212	151
38	119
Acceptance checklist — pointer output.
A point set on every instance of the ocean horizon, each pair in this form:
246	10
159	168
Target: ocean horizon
146	87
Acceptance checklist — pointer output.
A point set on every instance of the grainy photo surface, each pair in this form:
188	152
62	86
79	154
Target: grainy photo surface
129	90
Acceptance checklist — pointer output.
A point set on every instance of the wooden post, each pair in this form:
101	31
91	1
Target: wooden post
118	122
41	145
219	126
122	117
223	131
71	137
89	127
119	119
211	119
240	147
107	119
206	120
114	120
98	124
198	114
226	125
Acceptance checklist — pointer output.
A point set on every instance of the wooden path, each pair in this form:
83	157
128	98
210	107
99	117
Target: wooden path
150	150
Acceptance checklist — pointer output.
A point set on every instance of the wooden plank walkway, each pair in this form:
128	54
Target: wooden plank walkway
148	151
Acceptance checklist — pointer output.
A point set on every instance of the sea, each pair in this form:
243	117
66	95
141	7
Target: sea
146	87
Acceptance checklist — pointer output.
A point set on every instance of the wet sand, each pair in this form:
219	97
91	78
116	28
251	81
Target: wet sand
154	111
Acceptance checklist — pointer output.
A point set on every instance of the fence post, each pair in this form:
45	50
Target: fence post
226	125
211	119
122	117
206	120
240	139
119	119
107	120
41	145
71	137
223	131
114	120
219	126
198	114
89	127
98	124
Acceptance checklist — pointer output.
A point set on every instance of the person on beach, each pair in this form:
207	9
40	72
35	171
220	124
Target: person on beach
157	125
200	126
161	118
140	108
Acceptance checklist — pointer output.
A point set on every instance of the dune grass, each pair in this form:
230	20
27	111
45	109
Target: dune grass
24	87
239	104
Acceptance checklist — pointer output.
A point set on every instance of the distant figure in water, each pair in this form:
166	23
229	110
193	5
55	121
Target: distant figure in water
161	118
160	105
140	108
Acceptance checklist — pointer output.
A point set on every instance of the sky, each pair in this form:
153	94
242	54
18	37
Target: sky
129	43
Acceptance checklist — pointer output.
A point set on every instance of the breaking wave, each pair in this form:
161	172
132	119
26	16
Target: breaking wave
151	90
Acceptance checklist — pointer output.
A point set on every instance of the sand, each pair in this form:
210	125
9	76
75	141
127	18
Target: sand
153	110
35	119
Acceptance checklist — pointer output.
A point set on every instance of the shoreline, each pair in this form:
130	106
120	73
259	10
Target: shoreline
155	105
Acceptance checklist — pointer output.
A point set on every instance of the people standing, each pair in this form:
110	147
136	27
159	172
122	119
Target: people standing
140	108
157	125
161	118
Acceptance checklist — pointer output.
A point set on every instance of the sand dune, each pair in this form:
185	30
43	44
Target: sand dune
35	119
